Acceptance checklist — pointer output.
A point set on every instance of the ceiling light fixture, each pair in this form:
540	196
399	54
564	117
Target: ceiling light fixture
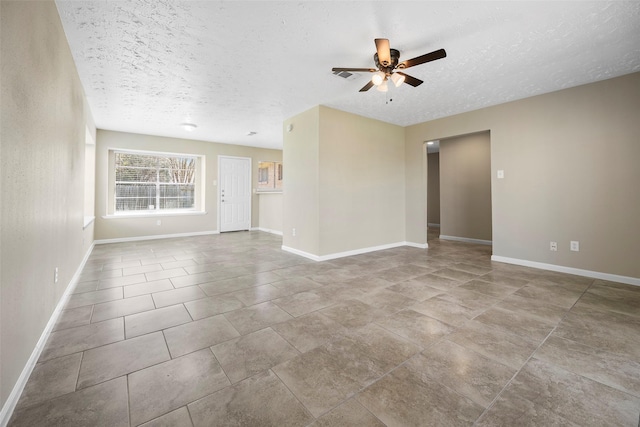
383	87
397	79
189	127
378	78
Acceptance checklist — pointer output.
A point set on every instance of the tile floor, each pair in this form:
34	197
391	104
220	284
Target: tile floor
230	330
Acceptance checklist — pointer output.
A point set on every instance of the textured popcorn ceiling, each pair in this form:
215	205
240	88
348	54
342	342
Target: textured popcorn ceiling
234	67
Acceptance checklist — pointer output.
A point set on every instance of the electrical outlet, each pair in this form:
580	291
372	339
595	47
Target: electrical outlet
55	275
293	232
159	222
553	246
575	246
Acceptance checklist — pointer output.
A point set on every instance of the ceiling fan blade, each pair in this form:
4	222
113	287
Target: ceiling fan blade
367	86
437	54
384	52
412	81
355	70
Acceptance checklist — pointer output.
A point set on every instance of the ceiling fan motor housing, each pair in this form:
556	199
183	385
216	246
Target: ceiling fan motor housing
388	68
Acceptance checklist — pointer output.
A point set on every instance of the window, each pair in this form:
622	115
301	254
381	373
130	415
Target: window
154	182
269	176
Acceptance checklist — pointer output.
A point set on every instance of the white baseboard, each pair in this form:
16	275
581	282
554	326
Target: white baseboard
569	270
18	388
353	252
154	237
266	230
465	240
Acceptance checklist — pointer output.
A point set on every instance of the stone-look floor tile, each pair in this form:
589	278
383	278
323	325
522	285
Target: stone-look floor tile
550	293
352	313
438	282
416	327
471	268
385	300
349	414
121	307
261	400
178	418
308	332
415	290
176	296
253	353
199	334
533	307
162	388
468	298
258	294
190	280
578	399
206	307
121	358
120	265
494	343
96	297
74	317
115	282
406	397
295	285
474	376
606	298
513	411
156	260
444	310
615	332
80	338
321	380
597	364
503	279
147	288
51	379
516	323
101	405
169	265
451	273
333	372
303	303
155	320
488	288
256	317
402	273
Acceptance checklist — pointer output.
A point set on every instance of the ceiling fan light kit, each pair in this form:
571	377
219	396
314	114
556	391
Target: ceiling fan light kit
387	63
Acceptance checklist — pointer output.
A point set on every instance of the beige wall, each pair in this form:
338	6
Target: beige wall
119	228
465	186
270	215
344	186
433	188
43	126
556	186
300	193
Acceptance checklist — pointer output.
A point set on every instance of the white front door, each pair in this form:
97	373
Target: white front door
235	193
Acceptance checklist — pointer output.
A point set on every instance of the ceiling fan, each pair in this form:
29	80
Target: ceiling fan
386	59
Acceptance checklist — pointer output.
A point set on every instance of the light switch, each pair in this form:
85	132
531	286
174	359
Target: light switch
500	174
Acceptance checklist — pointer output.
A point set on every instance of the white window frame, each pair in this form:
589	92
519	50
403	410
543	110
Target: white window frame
199	189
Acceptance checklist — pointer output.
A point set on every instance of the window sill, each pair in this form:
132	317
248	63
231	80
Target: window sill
153	214
269	192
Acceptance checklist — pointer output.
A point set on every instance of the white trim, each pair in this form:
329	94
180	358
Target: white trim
87	221
569	270
266	230
154	237
18	388
353	252
466	240
154	214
